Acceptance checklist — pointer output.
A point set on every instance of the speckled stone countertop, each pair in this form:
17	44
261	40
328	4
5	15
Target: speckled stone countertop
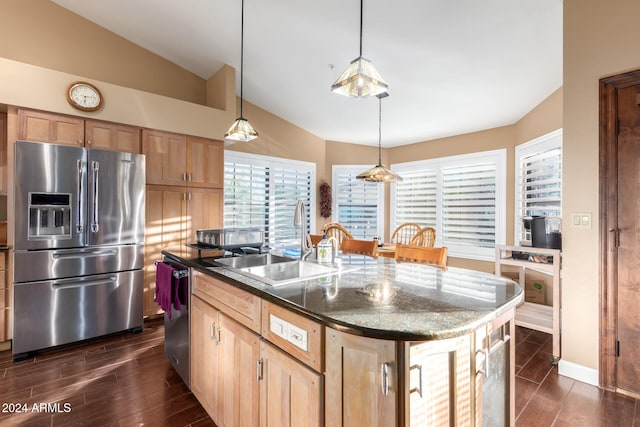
380	298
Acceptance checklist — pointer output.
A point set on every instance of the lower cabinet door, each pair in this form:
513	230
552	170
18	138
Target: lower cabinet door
204	355
238	388
290	391
361	381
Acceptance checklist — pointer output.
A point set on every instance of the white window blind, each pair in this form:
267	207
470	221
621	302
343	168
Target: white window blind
262	192
538	185
357	205
462	197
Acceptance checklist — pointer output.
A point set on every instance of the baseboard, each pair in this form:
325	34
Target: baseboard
578	372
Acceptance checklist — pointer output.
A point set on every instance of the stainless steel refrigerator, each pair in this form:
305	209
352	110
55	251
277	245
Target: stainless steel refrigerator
78	246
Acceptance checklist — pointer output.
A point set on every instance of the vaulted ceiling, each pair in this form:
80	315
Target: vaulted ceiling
452	67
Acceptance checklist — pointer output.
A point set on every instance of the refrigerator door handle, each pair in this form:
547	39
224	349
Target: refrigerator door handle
79	226
96	173
84	254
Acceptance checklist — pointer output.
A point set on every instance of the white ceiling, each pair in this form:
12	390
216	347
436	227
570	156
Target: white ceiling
452	67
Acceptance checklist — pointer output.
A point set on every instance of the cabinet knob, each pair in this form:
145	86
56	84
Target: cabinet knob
89	142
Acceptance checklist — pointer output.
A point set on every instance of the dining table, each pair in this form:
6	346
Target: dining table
387	250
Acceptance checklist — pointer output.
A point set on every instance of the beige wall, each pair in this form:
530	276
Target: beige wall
40	32
600	39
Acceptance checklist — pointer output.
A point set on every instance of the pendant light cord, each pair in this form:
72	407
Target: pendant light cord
379	131
241	53
361	3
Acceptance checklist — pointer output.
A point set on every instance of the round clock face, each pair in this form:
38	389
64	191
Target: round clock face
84	96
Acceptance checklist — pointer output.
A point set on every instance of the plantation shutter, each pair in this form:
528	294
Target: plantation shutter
289	185
538	180
246	195
469	205
358	204
416	198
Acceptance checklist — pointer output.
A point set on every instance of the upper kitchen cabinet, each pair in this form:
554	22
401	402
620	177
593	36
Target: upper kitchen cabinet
166	157
183	160
112	136
58	129
46	127
205	162
3	153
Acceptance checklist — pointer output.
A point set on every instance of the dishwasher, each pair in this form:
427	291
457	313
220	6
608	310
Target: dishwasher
176	327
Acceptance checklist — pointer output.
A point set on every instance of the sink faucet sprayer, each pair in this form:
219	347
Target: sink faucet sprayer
299	220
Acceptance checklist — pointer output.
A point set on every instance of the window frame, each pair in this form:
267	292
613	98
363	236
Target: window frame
355	170
499	157
272	162
540	144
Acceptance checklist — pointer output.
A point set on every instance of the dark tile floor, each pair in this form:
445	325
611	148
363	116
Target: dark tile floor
125	380
544	398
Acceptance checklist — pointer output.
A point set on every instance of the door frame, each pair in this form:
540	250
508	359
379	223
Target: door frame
608	222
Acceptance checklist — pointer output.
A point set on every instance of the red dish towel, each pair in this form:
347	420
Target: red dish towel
164	286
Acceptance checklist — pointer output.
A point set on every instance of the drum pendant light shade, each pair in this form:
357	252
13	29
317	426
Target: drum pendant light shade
241	130
360	79
379	173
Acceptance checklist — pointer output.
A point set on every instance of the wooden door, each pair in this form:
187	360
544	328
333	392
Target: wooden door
205	162
165	210
112	136
628	269
238	388
204	211
360	381
204	355
54	128
166	157
619	228
289	391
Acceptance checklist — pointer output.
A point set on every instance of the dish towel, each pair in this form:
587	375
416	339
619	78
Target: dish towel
180	292
164	287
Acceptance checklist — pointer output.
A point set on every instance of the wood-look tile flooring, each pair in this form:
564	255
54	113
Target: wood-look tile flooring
125	380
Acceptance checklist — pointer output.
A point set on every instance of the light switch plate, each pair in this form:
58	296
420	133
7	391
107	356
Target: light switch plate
581	220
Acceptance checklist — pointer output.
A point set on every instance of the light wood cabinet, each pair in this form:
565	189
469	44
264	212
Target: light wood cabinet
205	210
166	155
239	391
112	136
183	160
205	162
40	126
225	353
438	383
3	154
205	360
290	392
360	381
47	127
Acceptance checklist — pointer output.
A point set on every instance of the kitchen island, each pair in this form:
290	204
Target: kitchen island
374	343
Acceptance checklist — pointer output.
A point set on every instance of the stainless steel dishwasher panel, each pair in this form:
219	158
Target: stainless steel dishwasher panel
177	332
54	312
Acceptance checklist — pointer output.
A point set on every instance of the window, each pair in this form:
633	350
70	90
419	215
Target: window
538	175
357	205
262	191
462	197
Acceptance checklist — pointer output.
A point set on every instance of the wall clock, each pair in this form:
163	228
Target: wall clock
84	96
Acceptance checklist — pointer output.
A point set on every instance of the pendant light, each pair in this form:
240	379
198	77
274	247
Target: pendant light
241	130
360	79
379	173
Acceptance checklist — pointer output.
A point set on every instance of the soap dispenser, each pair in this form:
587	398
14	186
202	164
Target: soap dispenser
324	249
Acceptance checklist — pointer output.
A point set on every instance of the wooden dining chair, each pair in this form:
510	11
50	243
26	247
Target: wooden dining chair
404	232
362	247
425	237
421	254
335	229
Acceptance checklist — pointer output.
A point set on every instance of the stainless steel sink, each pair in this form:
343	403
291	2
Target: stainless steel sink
253	260
288	272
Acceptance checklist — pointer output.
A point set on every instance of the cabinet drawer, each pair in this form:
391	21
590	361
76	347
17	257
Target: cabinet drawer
295	334
3	264
239	305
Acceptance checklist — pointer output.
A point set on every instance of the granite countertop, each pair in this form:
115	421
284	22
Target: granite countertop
380	298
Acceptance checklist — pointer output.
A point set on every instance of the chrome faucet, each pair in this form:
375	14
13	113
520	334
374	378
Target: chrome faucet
299	220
